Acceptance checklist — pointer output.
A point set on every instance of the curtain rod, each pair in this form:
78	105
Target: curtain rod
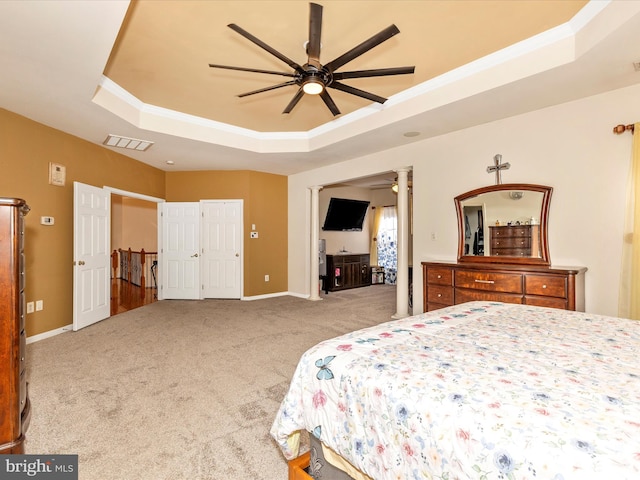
618	129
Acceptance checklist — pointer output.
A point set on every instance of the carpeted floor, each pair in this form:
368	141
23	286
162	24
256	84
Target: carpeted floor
183	389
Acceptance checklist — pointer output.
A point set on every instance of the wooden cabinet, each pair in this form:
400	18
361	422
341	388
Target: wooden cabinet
347	271
515	241
14	400
448	284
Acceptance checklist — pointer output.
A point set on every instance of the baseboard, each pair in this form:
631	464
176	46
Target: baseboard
299	295
50	333
267	295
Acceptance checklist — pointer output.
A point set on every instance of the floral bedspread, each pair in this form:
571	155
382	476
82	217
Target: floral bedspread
480	390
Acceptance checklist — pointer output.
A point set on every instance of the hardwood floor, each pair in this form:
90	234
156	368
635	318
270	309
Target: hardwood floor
126	296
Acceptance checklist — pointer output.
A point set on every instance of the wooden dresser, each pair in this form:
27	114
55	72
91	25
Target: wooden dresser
452	283
515	241
14	401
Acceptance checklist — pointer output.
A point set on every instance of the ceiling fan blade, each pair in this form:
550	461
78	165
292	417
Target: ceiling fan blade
266	89
266	47
294	101
365	46
315	31
378	72
253	70
357	92
328	101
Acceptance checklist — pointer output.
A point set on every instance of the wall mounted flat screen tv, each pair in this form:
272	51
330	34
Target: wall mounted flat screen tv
345	215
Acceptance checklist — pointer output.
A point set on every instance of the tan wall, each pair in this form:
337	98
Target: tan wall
265	205
139	225
26	148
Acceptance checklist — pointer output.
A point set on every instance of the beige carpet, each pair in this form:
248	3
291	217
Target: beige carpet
183	389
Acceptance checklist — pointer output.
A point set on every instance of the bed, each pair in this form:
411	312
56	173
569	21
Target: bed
478	390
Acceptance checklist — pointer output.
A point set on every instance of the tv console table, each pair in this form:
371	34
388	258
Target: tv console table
347	271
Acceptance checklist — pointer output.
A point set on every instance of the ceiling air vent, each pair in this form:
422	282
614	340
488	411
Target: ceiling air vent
128	143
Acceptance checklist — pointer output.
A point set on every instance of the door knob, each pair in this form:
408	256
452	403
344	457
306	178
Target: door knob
81	262
237	254
194	255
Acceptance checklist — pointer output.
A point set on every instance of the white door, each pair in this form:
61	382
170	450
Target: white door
180	262
221	248
91	255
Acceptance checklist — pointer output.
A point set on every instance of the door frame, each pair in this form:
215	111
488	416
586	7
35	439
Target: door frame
148	198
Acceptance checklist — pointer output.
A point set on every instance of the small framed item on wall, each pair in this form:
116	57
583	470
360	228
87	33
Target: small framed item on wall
57	174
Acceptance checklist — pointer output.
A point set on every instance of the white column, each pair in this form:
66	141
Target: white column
315	238
402	282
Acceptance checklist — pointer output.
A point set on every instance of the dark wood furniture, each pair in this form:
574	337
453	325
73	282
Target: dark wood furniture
14	401
347	271
514	241
448	284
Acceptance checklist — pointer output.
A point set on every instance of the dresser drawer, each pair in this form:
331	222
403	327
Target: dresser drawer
440	294
511	252
545	285
552	302
522	231
22	351
466	295
493	282
23	390
439	276
511	242
435	306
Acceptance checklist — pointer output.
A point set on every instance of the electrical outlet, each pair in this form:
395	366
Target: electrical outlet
39	305
266	278
254	234
434	236
30	307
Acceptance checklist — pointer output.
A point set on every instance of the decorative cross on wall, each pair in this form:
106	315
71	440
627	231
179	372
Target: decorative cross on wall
498	167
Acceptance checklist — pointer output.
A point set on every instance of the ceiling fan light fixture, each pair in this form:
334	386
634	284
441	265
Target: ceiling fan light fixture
313	86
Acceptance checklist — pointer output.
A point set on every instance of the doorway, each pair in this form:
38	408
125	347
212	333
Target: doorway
134	253
92	252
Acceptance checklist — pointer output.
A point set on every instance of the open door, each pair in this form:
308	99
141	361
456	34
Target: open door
91	255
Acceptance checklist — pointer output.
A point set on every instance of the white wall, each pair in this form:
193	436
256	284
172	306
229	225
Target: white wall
570	147
353	242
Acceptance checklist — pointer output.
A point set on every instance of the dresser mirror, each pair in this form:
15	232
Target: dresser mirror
504	223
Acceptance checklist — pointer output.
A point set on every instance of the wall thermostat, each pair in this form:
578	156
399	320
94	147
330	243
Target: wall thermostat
47	220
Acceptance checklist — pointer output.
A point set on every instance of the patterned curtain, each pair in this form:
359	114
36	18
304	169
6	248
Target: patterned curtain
629	298
388	244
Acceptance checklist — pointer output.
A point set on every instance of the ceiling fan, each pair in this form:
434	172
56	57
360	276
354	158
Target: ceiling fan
314	78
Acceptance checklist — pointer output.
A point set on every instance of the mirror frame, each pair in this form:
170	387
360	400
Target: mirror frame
544	258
